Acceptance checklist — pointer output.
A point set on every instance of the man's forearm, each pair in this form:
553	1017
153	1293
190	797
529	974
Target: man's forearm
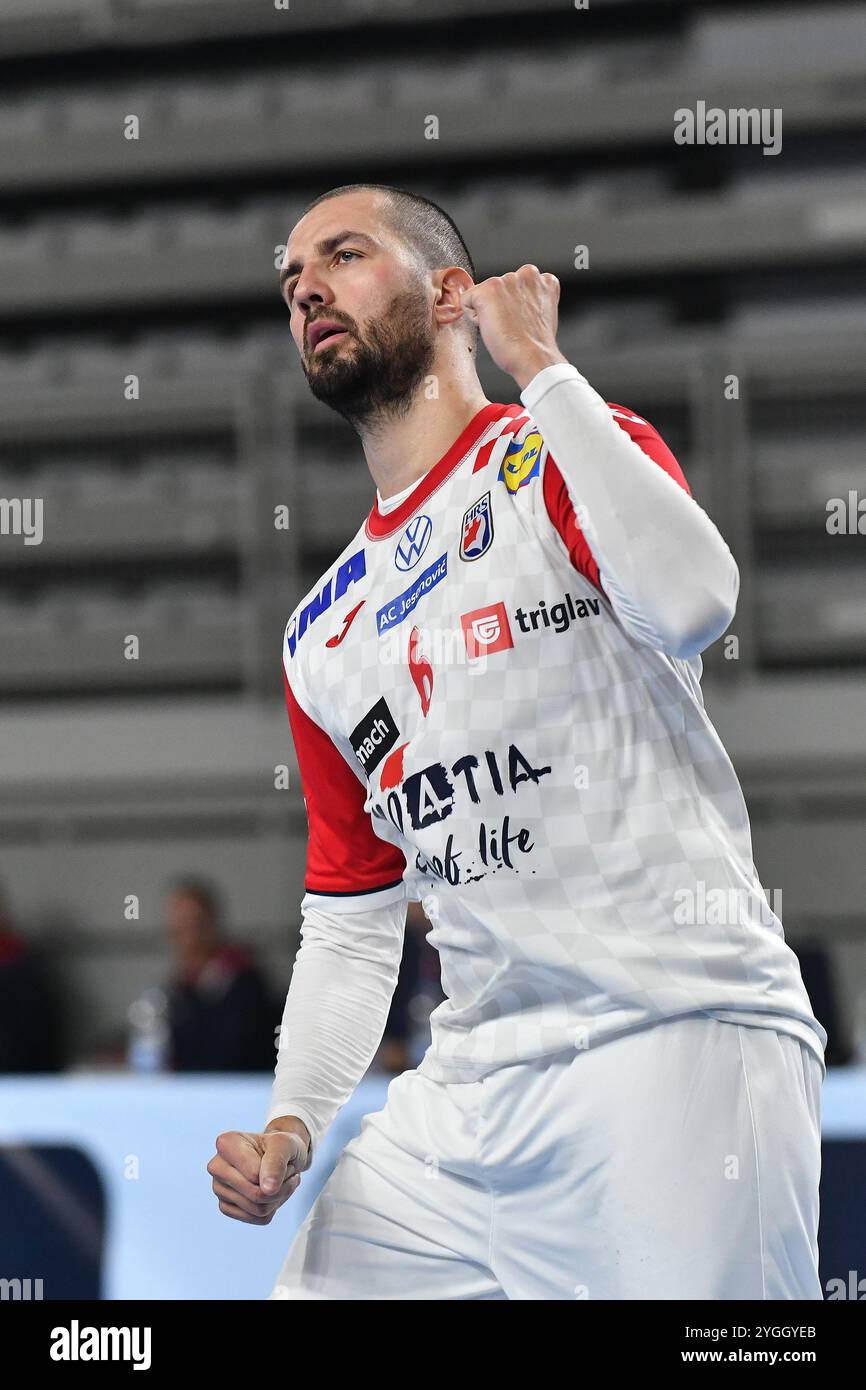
336	1009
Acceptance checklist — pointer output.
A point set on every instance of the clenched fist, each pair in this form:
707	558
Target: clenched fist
253	1174
517	317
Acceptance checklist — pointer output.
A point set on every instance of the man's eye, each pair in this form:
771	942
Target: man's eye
292	284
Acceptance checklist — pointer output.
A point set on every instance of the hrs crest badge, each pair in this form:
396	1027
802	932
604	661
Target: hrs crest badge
476	534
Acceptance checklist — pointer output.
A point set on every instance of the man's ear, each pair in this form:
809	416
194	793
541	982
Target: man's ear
450	284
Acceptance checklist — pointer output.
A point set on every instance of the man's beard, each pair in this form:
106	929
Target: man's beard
376	378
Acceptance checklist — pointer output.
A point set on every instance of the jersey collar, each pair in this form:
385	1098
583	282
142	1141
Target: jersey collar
382	524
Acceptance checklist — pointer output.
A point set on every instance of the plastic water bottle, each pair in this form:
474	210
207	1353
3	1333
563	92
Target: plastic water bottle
148	1032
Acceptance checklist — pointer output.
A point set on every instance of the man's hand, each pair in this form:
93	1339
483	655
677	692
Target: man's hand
517	317
253	1174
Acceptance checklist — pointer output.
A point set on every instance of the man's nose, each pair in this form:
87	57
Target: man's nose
312	289
306	302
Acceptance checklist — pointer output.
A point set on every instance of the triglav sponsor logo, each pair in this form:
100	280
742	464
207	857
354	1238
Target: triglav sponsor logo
486	630
559	615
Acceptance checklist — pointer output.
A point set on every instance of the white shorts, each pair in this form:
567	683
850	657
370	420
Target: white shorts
680	1161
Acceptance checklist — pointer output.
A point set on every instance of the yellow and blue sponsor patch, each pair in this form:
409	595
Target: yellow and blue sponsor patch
522	462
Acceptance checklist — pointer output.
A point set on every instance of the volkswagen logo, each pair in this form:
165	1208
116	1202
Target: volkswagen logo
413	543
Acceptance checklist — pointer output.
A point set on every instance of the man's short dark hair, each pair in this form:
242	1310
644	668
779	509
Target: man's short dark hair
420	222
201	893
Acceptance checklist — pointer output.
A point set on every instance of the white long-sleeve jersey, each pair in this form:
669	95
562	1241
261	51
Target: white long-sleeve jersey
495	700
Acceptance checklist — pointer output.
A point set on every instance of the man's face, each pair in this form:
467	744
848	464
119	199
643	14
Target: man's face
361	309
188	924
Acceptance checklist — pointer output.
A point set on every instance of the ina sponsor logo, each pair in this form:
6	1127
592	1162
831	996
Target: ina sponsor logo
350	572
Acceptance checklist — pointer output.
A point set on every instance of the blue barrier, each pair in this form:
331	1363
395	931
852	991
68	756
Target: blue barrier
151	1137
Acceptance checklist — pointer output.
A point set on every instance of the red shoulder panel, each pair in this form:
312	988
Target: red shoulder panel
344	855
558	502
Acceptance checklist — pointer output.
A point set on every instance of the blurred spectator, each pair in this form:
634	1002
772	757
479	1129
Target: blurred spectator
221	1015
30	1030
